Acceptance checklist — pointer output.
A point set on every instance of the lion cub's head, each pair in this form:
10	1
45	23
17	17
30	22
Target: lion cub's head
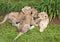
26	10
43	15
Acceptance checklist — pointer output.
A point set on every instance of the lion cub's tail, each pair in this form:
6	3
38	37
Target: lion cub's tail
5	18
17	37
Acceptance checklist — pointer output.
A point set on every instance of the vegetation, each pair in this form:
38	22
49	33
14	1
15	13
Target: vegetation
51	33
52	7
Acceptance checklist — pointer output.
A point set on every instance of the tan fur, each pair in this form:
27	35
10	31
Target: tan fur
13	17
26	18
34	12
25	25
43	20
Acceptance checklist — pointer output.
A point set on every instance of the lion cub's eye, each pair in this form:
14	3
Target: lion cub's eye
45	16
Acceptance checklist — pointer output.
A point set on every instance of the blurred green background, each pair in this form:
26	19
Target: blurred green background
52	7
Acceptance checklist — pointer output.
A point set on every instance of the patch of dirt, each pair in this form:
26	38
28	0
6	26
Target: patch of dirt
56	20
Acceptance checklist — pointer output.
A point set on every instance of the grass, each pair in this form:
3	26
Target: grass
51	34
52	7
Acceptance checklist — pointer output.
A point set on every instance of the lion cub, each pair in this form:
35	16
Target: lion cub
24	26
13	17
43	21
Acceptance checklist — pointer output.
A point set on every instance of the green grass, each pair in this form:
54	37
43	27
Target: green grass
52	7
51	34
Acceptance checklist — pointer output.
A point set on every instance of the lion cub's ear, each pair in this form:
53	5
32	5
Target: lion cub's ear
25	9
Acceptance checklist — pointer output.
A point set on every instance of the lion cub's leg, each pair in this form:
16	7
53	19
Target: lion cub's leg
43	25
33	22
14	21
23	30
